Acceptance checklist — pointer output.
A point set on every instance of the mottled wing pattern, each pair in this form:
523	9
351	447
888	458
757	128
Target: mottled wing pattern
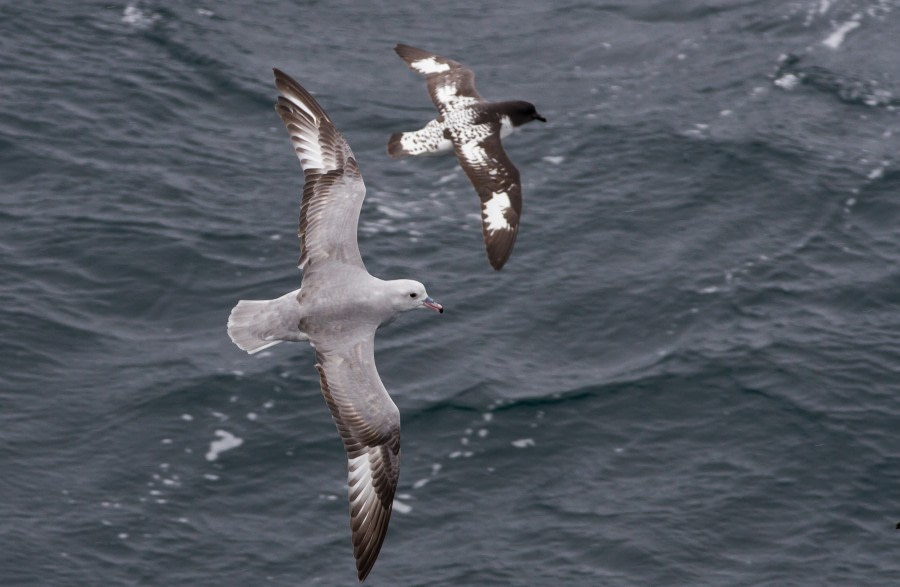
333	189
450	84
497	182
369	425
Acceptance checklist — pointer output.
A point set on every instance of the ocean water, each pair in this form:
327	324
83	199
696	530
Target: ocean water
687	374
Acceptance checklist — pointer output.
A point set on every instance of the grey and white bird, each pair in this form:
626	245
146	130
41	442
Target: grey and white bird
338	308
472	127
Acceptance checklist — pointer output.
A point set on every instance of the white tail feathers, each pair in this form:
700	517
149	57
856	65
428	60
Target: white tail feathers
255	325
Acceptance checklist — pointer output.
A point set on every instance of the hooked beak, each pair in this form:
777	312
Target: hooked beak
539	117
430	303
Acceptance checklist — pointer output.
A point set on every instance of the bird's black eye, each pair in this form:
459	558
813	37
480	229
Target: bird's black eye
412	295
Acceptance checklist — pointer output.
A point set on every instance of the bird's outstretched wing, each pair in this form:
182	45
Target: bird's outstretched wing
451	85
496	180
333	189
369	425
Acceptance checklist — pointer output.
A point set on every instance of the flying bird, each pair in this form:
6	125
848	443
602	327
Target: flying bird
337	309
472	127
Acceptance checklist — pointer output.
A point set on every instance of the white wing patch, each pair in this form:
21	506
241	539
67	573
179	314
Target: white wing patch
360	471
299	104
473	152
448	95
506	127
305	137
445	94
430	65
494	211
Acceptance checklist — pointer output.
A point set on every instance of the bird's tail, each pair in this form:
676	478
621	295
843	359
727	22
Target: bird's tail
428	140
255	325
395	146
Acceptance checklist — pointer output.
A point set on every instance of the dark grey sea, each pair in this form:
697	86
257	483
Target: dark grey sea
687	374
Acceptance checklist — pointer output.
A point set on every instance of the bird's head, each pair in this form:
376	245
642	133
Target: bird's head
522	112
407	294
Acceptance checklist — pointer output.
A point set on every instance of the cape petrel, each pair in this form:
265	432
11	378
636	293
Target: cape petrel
472	127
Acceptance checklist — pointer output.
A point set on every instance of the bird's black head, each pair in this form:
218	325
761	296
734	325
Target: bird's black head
521	112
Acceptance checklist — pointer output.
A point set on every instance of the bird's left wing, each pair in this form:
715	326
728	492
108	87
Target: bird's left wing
369	425
496	180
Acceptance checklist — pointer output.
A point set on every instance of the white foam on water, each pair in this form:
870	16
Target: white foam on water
226	441
523	443
876	173
137	18
788	81
391	212
445	178
836	38
401	507
554	159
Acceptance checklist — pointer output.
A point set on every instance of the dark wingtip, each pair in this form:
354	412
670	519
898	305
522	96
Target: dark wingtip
499	247
401	48
498	259
281	76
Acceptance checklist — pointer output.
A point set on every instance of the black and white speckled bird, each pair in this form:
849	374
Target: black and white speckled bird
472	127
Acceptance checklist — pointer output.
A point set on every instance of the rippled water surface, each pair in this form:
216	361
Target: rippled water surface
686	374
